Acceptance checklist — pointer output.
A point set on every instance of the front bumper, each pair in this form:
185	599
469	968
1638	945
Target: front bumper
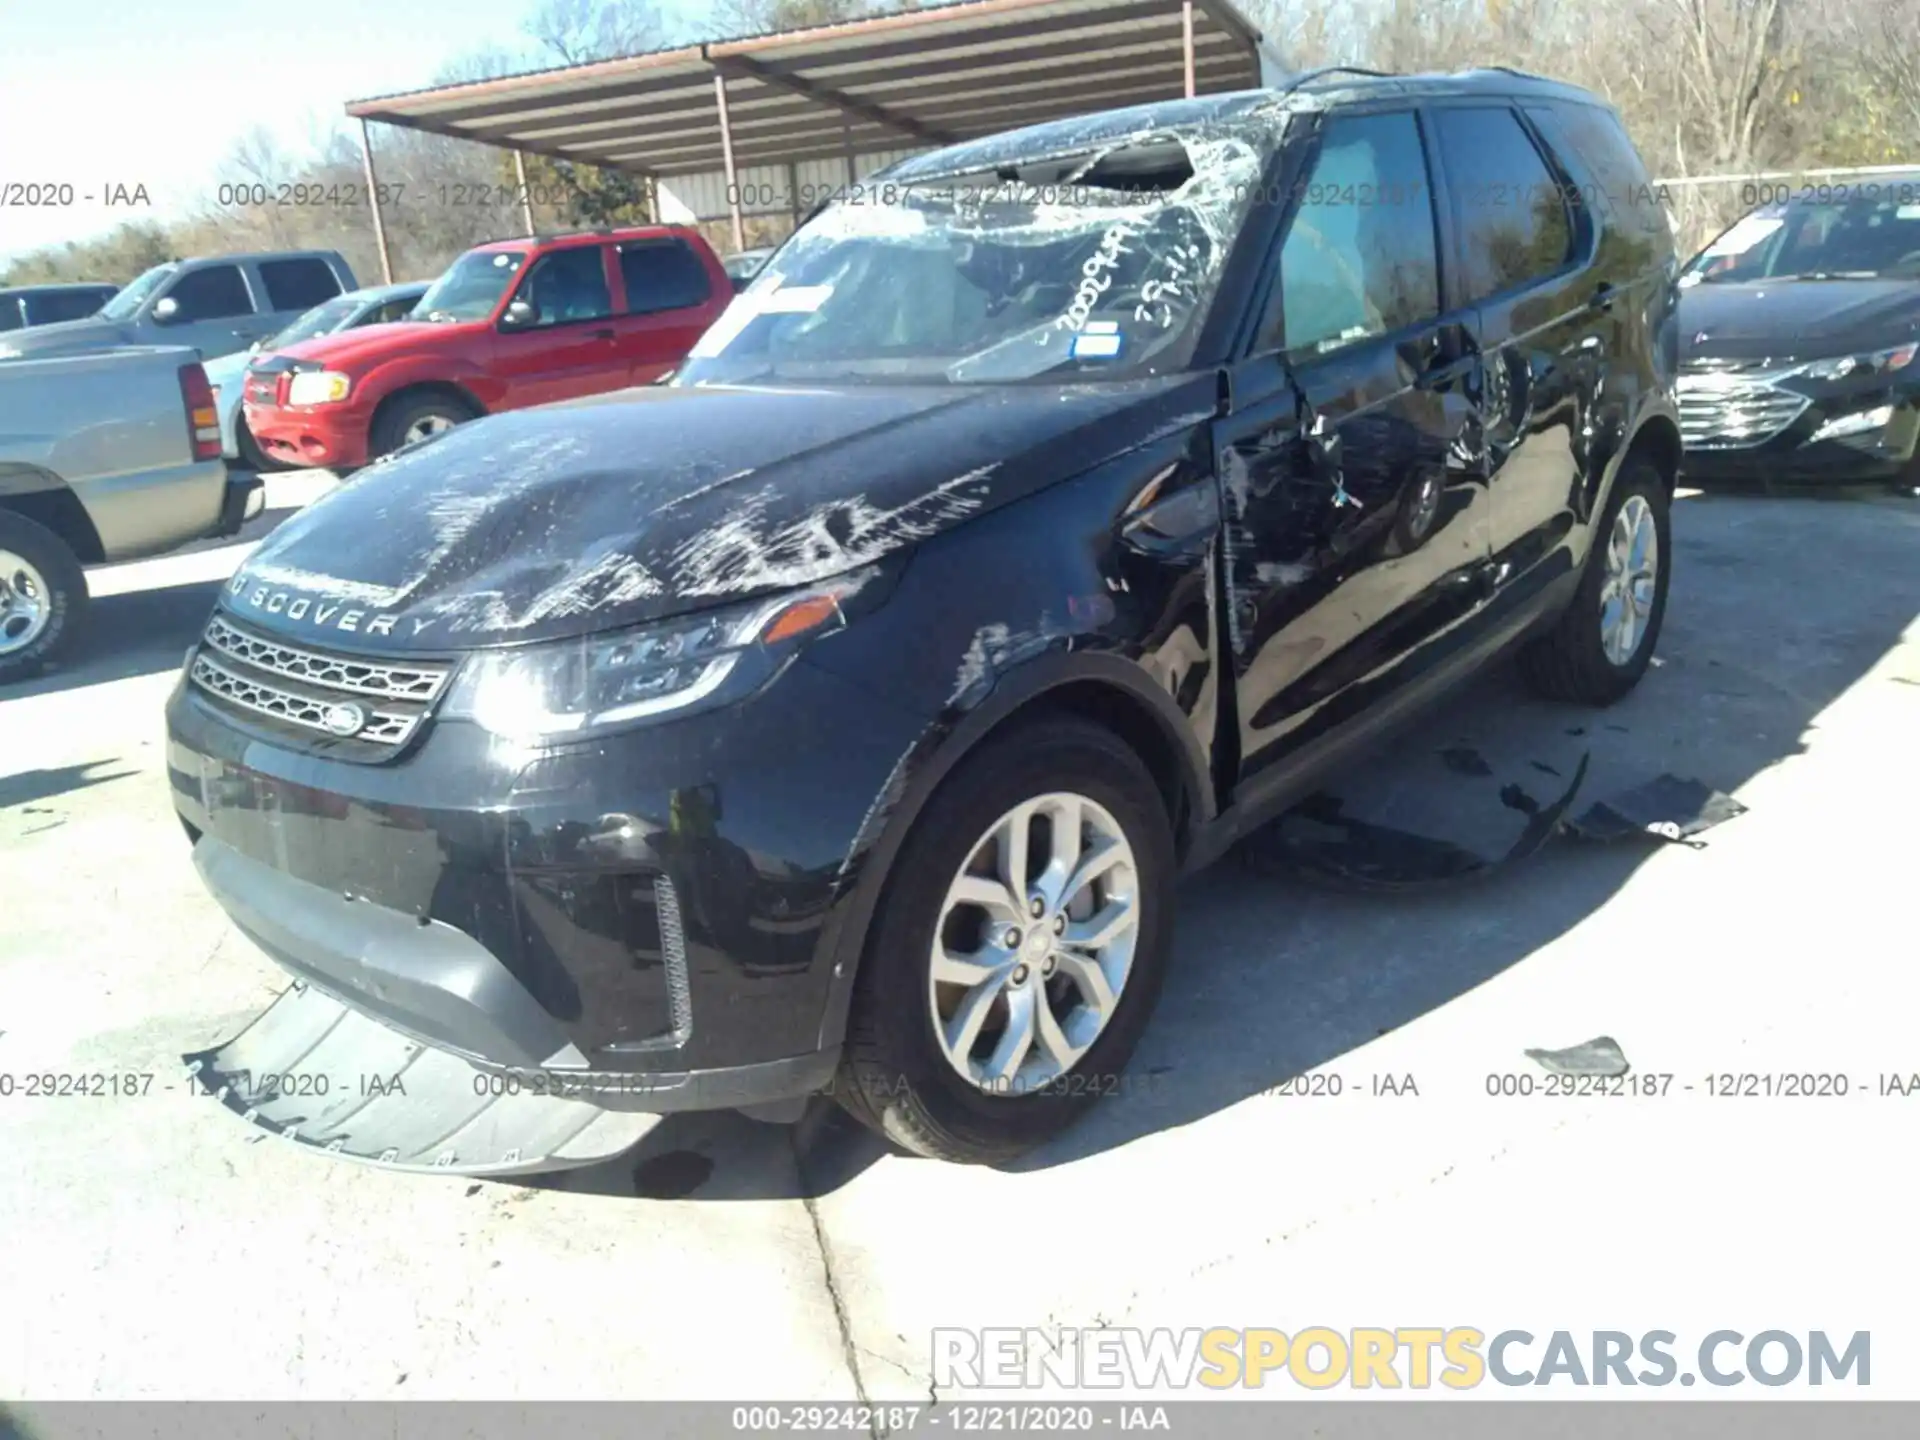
646	919
1883	454
332	436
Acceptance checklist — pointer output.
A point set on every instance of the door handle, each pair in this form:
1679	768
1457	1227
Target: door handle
603	335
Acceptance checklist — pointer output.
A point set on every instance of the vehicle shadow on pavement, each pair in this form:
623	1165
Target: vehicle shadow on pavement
1777	607
138	632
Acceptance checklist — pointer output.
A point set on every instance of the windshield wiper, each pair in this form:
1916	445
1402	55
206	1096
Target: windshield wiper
1831	275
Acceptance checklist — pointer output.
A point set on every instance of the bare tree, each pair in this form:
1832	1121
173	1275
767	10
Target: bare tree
580	31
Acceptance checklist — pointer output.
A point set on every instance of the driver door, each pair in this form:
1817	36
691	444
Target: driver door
1357	509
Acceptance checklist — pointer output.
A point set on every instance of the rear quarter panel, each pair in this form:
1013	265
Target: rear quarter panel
112	427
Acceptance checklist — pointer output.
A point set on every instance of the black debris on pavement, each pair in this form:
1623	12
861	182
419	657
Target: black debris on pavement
1465	760
1601	1055
1665	808
1317	842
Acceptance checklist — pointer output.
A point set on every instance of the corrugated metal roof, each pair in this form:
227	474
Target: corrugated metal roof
907	81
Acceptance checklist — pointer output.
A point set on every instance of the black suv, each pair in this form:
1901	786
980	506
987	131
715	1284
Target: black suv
1800	338
1047	515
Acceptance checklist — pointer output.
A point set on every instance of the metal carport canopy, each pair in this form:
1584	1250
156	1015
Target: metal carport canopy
836	93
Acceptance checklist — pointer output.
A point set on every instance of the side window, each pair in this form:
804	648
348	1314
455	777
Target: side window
662	275
1360	257
1514	226
10	312
1597	137
567	285
64	305
391	311
298	284
211	293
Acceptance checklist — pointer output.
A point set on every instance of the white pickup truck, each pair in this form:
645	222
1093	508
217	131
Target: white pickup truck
108	455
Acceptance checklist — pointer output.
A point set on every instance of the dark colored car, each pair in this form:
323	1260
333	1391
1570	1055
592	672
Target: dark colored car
839	714
510	324
1800	340
23	306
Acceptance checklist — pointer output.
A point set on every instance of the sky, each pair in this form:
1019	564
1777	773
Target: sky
129	93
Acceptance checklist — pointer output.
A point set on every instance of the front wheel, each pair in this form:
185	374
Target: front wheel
409	420
1018	949
1604	642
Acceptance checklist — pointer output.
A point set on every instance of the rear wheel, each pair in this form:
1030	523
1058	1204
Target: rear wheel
1606	639
415	418
1018	949
43	594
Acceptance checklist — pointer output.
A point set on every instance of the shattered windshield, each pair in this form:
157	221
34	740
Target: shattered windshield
1100	265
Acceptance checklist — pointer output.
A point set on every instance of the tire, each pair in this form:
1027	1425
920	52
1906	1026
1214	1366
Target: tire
1571	662
896	1075
391	427
43	597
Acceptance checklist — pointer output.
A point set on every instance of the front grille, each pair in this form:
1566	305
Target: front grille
1718	412
332	672
313	693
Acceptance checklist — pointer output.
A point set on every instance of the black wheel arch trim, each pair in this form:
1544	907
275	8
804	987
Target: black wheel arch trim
949	741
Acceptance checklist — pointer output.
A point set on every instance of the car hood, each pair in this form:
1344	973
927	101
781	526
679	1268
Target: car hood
369	344
67	337
1796	319
571	519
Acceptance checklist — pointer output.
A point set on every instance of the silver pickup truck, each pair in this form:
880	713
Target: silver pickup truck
104	456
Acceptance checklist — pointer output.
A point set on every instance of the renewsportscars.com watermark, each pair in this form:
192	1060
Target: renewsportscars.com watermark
1319	1358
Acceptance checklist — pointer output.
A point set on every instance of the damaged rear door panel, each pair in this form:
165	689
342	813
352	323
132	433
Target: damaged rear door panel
1355	505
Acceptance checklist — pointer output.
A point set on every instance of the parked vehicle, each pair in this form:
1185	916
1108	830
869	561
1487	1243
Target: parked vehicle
216	305
510	324
103	456
840	714
1800	349
22	306
375	305
743	265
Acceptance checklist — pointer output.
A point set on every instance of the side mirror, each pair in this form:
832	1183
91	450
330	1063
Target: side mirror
165	310
519	316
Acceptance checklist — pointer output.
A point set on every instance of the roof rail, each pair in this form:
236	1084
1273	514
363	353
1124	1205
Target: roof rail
1294	82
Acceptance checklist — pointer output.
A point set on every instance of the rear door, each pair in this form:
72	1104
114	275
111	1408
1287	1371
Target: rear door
216	311
668	304
1526	242
569	347
1356	517
292	286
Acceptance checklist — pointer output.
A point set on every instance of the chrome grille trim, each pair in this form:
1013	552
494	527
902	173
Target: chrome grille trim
383	727
1734	414
382	680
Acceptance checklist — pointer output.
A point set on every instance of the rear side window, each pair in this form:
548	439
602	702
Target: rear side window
1514	226
1360	257
211	293
1596	137
662	275
10	318
70	305
391	311
298	284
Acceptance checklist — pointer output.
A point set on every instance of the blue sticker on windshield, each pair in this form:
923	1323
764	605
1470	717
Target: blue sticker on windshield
1100	340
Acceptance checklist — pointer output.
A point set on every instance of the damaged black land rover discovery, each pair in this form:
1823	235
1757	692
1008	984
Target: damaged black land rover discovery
838	717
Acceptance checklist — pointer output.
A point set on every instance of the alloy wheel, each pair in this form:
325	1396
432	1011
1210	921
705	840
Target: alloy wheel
1631	580
1035	944
25	604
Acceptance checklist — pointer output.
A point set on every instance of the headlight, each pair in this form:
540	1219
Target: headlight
696	662
318	387
1845	367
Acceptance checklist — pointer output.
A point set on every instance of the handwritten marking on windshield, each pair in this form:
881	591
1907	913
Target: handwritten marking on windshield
1098	271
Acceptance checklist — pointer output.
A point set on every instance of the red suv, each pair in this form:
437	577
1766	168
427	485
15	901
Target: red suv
511	324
